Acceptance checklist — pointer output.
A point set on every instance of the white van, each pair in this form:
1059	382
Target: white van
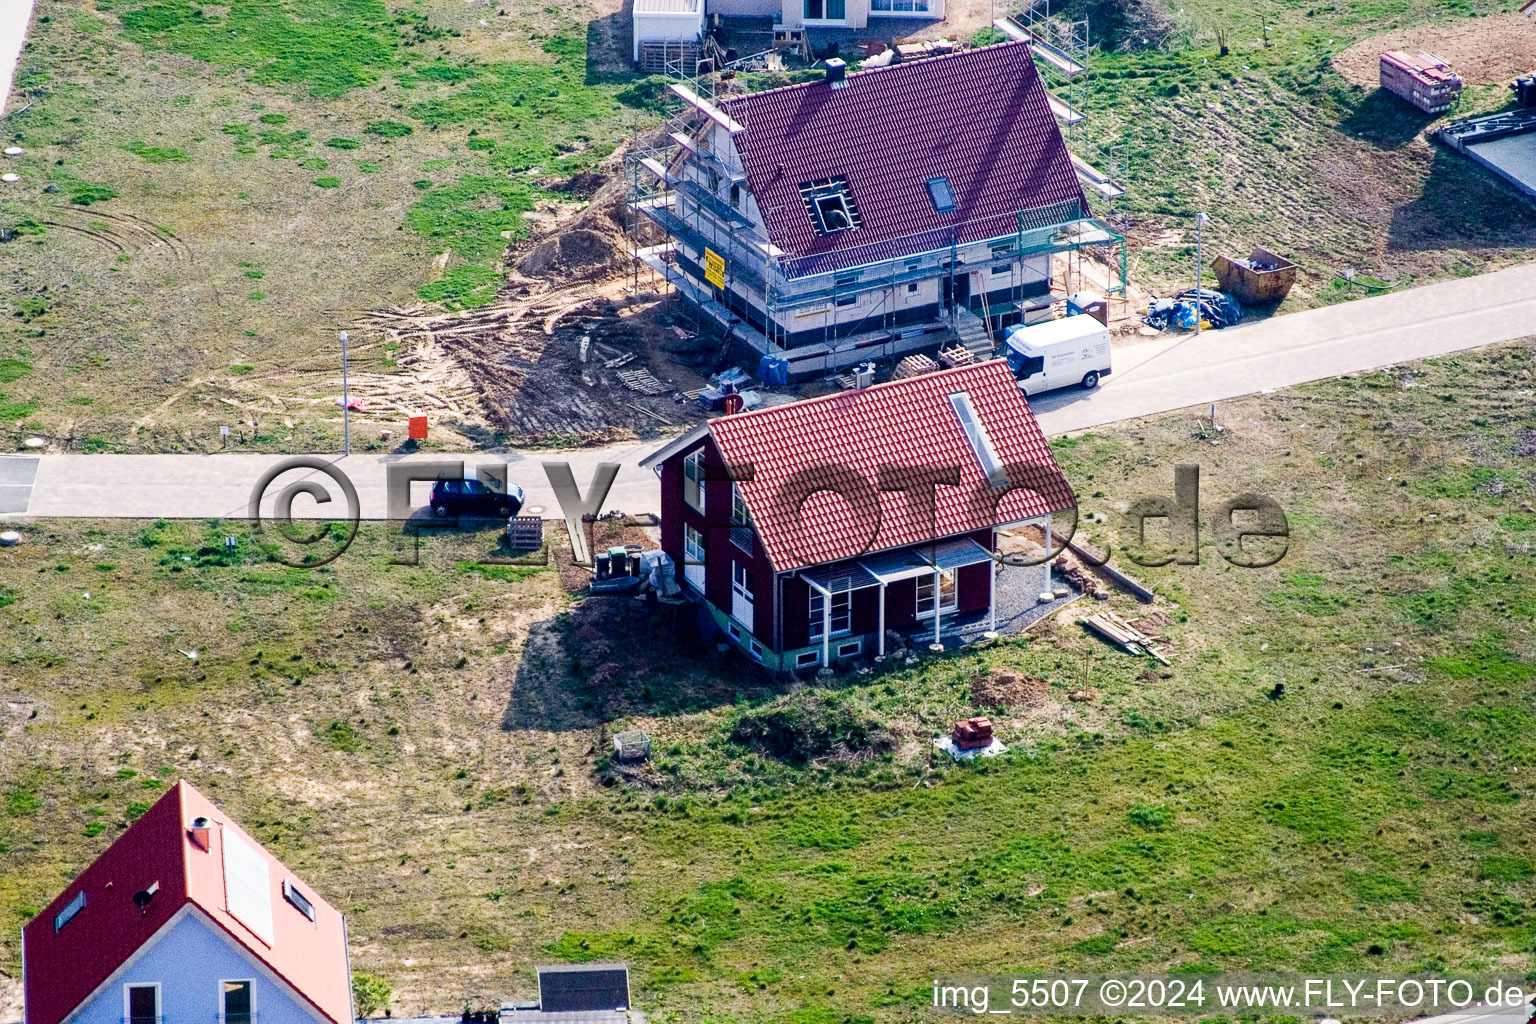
1058	353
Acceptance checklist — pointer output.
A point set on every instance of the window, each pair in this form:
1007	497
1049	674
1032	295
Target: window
142	1003
912	288
74	907
842	614
739	514
847	300
830	204
236	1000
735	194
948	599
805	658
942	195
1005	269
298	899
976	434
741	521
693	546
693	557
741	581
693	480
850	649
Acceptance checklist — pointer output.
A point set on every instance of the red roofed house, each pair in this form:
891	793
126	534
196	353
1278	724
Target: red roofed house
185	918
868	215
809	530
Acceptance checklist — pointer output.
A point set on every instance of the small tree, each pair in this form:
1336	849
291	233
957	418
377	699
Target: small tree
370	993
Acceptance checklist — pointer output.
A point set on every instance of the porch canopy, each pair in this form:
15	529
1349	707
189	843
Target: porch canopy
887	567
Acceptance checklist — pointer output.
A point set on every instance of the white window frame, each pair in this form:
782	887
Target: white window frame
807	658
220	994
851	649
818	608
694	556
925	581
128	1005
693	480
740	587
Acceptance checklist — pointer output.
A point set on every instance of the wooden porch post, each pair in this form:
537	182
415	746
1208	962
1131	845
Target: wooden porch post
826	630
991	597
880	643
938	601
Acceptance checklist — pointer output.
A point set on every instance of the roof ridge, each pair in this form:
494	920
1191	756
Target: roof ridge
852	75
886	385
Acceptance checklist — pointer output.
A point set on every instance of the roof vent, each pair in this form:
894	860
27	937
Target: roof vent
837	72
198	831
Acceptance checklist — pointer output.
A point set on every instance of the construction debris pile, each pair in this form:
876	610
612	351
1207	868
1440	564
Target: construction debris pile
1077	574
1127	636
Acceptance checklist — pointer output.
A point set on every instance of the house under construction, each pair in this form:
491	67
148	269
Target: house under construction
865	216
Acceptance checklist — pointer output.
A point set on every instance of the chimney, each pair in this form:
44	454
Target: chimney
837	72
198	830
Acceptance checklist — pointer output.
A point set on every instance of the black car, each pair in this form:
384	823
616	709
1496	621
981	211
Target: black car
473	498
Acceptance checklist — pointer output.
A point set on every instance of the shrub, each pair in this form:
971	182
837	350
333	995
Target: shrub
370	993
813	723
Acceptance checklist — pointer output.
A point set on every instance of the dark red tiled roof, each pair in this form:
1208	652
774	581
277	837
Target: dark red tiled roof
907	423
65	965
979	118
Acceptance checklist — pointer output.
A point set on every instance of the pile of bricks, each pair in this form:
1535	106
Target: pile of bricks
973	733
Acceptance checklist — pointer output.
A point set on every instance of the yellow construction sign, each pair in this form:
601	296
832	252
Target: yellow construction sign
714	267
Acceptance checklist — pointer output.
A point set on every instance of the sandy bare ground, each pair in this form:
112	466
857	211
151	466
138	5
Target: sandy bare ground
1484	51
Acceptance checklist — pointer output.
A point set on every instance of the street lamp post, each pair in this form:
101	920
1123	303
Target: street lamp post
1200	220
346	407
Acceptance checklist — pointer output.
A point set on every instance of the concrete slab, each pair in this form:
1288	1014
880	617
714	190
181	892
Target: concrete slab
14	499
14	470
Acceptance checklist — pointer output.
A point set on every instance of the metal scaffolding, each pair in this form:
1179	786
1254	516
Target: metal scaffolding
672	214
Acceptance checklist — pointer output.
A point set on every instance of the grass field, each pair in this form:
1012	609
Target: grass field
210	192
426	744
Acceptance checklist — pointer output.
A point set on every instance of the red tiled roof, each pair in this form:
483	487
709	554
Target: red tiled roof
64	967
905	423
979	118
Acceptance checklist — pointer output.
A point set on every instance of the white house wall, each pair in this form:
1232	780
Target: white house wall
188	962
667	26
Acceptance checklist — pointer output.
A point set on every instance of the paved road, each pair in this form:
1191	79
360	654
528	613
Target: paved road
1164	374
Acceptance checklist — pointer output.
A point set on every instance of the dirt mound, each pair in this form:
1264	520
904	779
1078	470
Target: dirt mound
591	244
1001	687
1483	51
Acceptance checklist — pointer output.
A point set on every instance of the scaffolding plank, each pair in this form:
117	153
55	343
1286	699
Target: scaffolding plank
693	147
1011	29
1099	182
1065	112
1054	57
707	108
654	166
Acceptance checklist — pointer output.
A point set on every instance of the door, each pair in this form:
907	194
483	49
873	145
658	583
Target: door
741	594
948	596
236	997
143	1004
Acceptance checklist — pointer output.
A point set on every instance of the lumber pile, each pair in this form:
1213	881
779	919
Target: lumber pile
1130	639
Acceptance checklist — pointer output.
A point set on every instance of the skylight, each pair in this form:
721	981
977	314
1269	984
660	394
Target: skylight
299	900
976	434
74	907
942	195
830	205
